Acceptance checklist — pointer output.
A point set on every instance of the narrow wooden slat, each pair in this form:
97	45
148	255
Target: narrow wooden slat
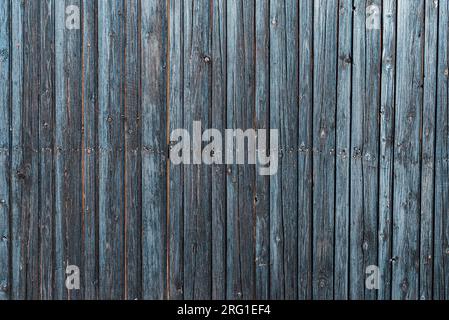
284	117
89	150
132	111
28	170
5	96
218	178
176	217
18	286
441	223
324	105
46	134
262	114
364	148
68	155
241	178
386	146
406	205
154	146
197	178
343	130
428	150
111	140
305	140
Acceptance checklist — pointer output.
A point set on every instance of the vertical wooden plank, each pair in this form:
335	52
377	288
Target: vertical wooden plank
343	136
28	170
441	224
386	147
428	150
197	178
111	136
262	115
17	249
68	157
284	116
176	217
218	178
406	206
5	95
364	149
324	105
154	146
241	178
90	150
46	134
305	123
132	111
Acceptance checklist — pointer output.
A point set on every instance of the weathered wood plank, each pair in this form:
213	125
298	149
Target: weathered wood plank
262	116
154	147
68	155
305	140
284	117
343	136
428	150
133	193
18	286
441	222
364	146
241	178
324	105
46	135
176	217
111	140
5	96
90	150
197	178
408	115
386	146
28	170
218	178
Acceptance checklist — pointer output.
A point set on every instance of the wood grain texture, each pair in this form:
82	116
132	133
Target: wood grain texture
407	152
324	113
5	96
86	177
154	147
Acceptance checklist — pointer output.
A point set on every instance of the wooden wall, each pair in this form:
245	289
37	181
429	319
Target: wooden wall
85	121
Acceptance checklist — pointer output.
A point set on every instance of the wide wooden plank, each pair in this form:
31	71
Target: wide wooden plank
46	140
262	116
28	169
386	146
441	222
428	151
90	150
241	177
197	178
154	147
364	146
68	155
343	140
324	108
305	140
111	141
408	115
284	117
5	96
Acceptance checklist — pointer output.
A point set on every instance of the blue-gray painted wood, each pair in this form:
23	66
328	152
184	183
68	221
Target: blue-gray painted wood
86	179
5	96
